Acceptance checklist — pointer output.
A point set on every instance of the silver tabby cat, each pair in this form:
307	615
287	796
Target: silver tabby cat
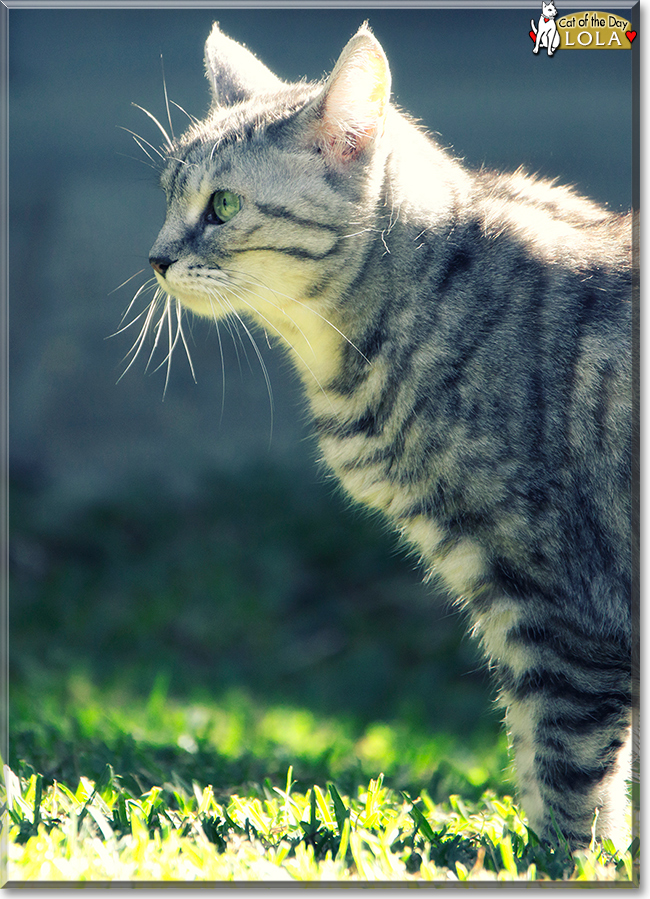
464	342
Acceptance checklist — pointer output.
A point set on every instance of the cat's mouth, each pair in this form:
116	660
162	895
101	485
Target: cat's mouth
197	302
203	300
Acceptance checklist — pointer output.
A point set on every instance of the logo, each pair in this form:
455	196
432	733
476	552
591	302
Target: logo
545	34
579	31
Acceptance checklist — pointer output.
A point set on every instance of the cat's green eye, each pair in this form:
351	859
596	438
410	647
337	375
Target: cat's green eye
223	206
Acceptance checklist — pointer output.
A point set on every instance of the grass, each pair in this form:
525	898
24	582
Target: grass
104	832
250	685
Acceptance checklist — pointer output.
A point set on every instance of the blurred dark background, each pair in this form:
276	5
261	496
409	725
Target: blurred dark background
187	533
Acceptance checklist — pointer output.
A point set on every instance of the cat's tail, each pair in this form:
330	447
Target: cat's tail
533	26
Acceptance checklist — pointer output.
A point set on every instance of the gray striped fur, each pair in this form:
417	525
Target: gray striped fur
464	341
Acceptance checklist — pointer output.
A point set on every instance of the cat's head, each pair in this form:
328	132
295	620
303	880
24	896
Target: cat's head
265	196
549	10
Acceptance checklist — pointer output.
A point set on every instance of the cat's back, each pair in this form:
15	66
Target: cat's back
553	266
509	336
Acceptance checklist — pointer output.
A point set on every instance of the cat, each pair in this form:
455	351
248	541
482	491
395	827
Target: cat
546	33
463	339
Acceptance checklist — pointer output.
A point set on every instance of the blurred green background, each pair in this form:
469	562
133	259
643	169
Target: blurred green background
259	596
181	551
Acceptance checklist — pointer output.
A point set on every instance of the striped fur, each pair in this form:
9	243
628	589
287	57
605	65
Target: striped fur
464	342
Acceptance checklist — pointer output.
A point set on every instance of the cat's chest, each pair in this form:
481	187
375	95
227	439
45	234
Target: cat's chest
370	473
375	467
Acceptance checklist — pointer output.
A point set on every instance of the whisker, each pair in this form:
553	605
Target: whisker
140	141
146	286
139	341
169	118
132	322
138	159
260	358
157	333
235	336
124	283
166	317
192	118
179	312
177	309
146	152
237	340
358	233
139	137
171	344
150	311
223	364
170	143
235	332
172	306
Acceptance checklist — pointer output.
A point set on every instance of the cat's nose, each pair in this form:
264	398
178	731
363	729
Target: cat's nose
160	264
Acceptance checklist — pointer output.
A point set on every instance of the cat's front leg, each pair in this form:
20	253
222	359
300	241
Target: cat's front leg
552	42
572	757
568	700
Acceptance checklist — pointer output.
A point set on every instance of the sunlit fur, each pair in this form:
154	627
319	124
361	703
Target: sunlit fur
463	339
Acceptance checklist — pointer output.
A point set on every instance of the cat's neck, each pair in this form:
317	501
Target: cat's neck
419	189
424	181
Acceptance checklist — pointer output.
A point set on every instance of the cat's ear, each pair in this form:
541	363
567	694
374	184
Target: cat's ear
233	72
351	111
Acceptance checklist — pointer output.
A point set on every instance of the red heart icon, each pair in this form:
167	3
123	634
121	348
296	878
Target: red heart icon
533	35
630	35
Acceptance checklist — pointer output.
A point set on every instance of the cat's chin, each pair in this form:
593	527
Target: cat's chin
197	303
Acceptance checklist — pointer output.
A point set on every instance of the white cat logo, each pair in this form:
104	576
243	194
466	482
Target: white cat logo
545	34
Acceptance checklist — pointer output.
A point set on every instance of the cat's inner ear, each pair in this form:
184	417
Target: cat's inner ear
233	72
351	111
